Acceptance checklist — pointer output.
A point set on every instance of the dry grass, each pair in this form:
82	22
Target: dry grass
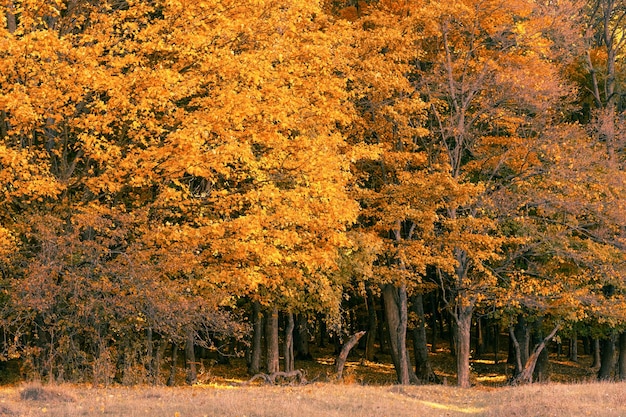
319	399
367	390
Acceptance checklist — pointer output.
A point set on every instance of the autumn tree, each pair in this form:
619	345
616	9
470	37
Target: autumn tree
202	164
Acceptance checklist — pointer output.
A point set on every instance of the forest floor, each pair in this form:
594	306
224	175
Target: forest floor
487	370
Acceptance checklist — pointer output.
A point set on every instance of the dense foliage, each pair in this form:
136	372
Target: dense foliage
179	174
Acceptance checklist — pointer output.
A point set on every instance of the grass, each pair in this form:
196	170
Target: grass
318	399
366	390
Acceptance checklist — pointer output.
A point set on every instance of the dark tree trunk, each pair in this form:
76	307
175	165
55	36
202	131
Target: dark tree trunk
423	368
396	313
257	339
171	381
149	360
622	356
301	339
160	353
453	334
480	336
595	350
383	333
587	345
607	359
288	353
190	355
271	341
573	347
434	325
323	331
521	343
596	353
372	325
496	342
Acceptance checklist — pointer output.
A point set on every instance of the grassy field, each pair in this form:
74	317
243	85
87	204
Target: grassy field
318	399
367	390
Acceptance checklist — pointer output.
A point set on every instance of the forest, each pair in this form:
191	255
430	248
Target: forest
180	177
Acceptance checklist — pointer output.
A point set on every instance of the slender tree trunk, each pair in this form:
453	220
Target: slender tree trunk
522	334
516	351
607	360
271	341
372	325
160	353
383	333
323	331
396	312
288	353
573	347
190	355
463	341
301	339
149	359
257	338
340	362
496	342
434	324
423	368
171	381
540	372
480	337
622	356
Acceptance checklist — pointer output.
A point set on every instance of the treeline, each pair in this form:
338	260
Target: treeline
176	176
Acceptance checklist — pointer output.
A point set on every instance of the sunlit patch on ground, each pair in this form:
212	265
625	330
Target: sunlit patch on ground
451	407
492	379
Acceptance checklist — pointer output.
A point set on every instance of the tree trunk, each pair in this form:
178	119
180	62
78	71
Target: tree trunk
288	353
383	333
480	337
323	331
423	368
496	342
526	376
190	355
271	341
171	381
396	313
340	362
463	318
522	334
301	339
434	324
10	16
622	356
607	360
515	352
596	353
540	372
160	352
257	338
372	325
149	359
573	347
